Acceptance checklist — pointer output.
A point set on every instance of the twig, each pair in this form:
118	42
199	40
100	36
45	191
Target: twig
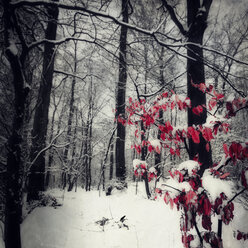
171	187
239	193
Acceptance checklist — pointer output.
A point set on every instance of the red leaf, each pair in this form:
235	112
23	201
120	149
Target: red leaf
165	94
212	103
194	134
225	147
178	152
172	152
172	105
180	175
235	151
197	110
202	87
207	207
225	175
143	166
150	148
207	147
206	222
137	148
136	133
239	236
163	136
171	174
191	197
218	95
157	150
244	178
207	134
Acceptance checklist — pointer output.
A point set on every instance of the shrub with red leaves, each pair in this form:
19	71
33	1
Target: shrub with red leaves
196	201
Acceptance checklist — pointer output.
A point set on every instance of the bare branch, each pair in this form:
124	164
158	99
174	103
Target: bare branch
166	84
174	17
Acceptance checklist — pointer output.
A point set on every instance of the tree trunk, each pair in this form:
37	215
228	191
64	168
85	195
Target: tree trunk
120	98
51	152
88	135
15	166
197	23
143	158
158	155
111	167
39	132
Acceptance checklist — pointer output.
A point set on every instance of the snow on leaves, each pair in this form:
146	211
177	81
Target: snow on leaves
198	200
141	168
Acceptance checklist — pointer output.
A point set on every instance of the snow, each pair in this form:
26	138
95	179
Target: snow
178	186
12	47
216	186
155	143
153	170
230	97
150	223
74	224
189	165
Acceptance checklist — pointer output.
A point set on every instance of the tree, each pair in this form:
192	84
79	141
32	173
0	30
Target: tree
197	15
121	96
39	133
13	210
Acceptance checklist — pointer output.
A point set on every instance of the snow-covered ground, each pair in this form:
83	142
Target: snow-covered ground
148	223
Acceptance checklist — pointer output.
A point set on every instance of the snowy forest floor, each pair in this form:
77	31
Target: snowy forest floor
77	223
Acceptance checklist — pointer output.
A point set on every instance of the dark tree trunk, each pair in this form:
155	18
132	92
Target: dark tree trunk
39	132
158	155
15	166
111	168
69	124
88	135
197	23
90	148
120	98
143	158
51	152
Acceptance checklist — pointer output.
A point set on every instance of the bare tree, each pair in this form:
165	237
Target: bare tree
39	133
121	97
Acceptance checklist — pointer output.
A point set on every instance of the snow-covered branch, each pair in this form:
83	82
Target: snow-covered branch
45	148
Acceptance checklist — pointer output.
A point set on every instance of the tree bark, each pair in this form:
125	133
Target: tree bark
39	132
111	167
120	97
197	23
69	124
15	166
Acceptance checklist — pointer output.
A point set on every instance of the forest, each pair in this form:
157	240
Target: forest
123	123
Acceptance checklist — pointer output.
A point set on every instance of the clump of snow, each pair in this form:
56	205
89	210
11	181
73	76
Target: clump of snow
212	119
138	162
230	97
174	187
189	165
12	47
155	143
216	186
153	170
